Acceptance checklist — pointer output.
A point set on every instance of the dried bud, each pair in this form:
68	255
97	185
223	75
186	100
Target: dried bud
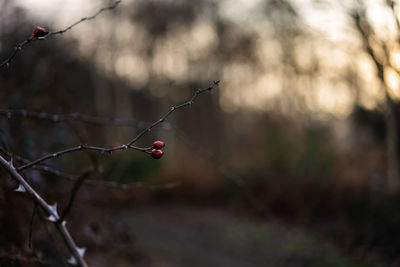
39	32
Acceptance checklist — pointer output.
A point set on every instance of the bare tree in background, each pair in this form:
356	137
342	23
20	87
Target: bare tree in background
379	51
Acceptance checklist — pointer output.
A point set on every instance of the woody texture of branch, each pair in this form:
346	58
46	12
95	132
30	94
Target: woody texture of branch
15	165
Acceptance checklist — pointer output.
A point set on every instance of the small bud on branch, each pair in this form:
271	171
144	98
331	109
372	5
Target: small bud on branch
39	32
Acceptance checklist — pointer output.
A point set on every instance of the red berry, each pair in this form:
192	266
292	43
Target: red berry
40	32
158	144
156	153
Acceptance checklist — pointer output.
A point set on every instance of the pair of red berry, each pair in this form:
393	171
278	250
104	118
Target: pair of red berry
157	153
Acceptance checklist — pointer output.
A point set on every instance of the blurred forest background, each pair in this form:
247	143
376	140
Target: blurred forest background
291	161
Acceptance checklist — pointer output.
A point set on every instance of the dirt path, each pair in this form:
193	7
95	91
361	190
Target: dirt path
170	236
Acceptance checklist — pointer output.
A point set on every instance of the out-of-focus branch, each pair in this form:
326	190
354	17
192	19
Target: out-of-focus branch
92	182
367	35
31	225
58	118
73	194
211	157
173	108
101	121
125	146
78	148
51	211
392	5
20	45
135	185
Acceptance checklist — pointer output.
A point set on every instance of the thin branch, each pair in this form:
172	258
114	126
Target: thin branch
173	108
51	211
74	192
110	184
58	118
92	182
211	157
31	225
96	120
78	148
19	46
42	167
392	6
125	146
368	36
50	235
84	19
136	185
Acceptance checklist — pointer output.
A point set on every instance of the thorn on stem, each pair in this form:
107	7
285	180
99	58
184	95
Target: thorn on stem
52	218
81	251
72	260
20	188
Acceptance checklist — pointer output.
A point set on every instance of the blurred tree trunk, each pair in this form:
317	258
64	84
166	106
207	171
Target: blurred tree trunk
381	60
392	144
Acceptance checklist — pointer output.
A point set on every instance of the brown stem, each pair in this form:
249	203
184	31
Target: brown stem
48	209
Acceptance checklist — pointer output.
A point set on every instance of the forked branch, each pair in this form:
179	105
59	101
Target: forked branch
50	210
129	145
32	38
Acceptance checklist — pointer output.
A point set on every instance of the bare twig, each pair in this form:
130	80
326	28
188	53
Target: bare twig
91	182
31	224
95	120
211	157
121	147
136	185
173	108
42	167
84	19
101	121
78	148
73	194
24	186
51	211
19	46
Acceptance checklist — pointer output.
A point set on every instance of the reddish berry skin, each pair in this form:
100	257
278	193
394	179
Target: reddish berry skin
156	153
39	32
158	144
